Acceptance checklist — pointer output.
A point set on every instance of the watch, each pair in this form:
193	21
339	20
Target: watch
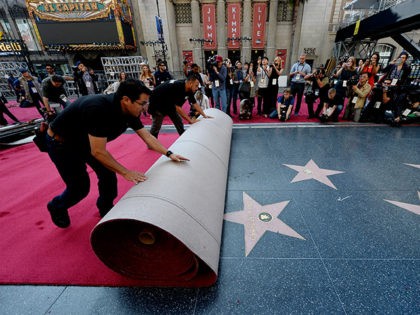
168	153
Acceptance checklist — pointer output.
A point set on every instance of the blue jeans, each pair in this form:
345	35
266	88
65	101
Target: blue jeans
220	93
71	165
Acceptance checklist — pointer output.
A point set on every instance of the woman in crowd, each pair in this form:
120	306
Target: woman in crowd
113	87
371	67
147	77
346	75
273	85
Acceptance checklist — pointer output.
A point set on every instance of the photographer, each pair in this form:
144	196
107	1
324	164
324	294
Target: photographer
284	106
53	91
330	110
410	114
297	74
238	78
347	77
273	85
264	73
229	86
397	71
361	90
218	75
317	86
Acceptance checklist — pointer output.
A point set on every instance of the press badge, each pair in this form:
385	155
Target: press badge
274	81
406	112
216	83
88	84
297	77
354	100
231	82
34	90
316	92
252	84
262	81
377	105
394	82
345	83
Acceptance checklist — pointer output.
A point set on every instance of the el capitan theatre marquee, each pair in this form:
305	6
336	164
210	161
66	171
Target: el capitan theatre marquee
82	24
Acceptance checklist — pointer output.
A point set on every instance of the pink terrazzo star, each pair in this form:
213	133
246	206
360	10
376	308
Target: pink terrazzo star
258	219
407	206
312	171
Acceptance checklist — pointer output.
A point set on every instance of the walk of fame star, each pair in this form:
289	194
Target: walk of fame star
407	206
312	171
257	219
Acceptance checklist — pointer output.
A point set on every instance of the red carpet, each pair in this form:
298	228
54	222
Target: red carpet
26	114
33	250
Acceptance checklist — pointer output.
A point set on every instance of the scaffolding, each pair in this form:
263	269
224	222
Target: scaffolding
113	66
7	68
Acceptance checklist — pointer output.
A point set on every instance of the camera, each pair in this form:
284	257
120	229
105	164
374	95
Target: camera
210	63
283	112
353	80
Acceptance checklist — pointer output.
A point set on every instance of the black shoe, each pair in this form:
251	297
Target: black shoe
60	217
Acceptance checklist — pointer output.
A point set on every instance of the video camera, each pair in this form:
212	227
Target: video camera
211	62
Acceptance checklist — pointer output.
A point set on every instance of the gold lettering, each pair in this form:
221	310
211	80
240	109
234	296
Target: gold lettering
8	47
65	7
58	6
94	6
87	7
51	7
71	7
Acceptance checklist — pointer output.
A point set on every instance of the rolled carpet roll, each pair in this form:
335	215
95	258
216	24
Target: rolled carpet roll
167	230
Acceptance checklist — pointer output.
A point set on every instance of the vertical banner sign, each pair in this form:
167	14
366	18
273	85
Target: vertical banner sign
209	25
234	24
188	56
258	25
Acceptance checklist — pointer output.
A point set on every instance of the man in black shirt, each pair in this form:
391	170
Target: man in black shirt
331	111
167	100
162	74
78	136
54	91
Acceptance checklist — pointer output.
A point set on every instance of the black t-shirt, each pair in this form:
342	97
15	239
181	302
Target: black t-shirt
97	115
162	77
51	92
337	100
166	96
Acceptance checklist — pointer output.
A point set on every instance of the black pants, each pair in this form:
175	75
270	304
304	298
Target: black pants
5	110
297	89
71	165
264	96
158	119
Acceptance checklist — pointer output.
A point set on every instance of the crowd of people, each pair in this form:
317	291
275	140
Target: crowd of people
102	117
355	90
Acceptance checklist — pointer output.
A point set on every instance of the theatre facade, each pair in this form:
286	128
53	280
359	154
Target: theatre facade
64	31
